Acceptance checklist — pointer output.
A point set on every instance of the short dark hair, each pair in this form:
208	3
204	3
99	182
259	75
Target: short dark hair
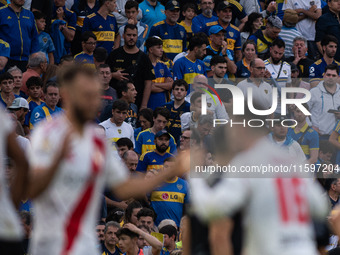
6	76
147	113
197	41
67	58
189	6
153	41
101	2
334	67
328	39
169	230
34	81
67	75
130	26
194	96
86	35
122	86
145	212
180	83
329	182
50	84
120	105
127	232
100	54
161	111
131	4
124	141
279	43
103	66
39	15
217	59
129	209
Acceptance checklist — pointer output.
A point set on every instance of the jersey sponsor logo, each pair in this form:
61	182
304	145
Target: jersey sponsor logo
105	36
165	196
168	196
36	115
172	46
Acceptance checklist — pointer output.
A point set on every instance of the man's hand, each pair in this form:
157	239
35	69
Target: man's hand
272	7
267	74
119	75
313	8
297	57
132	21
132	228
60	13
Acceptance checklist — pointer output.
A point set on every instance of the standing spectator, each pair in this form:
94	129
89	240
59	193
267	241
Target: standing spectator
45	41
45	7
7	95
67	21
308	12
328	24
82	9
188	67
254	7
161	86
300	58
48	110
128	60
249	54
188	12
289	32
130	159
203	21
145	120
103	24
5	52
254	23
177	107
185	140
37	65
146	139
306	136
147	218
152	11
88	44
329	48
17	76
109	246
110	94
123	145
333	191
22	36
131	12
264	38
170	235
154	160
326	96
120	14
99	56
232	36
172	34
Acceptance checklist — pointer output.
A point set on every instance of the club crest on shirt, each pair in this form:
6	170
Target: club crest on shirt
119	131
231	34
45	40
285	71
179	186
161	71
209	105
199	67
266	91
112	27
182	34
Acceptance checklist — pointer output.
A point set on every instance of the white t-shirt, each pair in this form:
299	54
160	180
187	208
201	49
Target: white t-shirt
114	133
306	26
24	143
67	211
277	211
10	229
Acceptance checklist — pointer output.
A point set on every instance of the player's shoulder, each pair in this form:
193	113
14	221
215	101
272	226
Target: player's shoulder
159	23
318	62
78	55
337	62
4	8
143	133
92	15
69	11
146	155
235	27
111	15
286	64
266	62
236	4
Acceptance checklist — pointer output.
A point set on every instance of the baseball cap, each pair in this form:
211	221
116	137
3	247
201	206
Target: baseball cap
172	5
18	103
275	21
290	16
223	5
153	41
215	29
162	132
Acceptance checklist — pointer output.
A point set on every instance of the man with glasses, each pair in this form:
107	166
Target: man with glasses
185	140
88	43
262	91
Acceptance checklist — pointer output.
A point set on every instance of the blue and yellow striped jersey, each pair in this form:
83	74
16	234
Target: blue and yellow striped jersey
104	29
151	160
233	38
157	99
168	200
5	49
32	105
317	70
202	23
42	112
84	59
310	140
174	37
145	142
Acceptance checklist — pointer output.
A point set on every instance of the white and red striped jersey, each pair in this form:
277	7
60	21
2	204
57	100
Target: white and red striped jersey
10	229
277	212
67	211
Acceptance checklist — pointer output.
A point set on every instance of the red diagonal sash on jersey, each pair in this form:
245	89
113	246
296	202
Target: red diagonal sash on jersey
73	226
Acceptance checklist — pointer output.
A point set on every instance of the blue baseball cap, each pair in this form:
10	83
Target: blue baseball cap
162	132
215	29
172	5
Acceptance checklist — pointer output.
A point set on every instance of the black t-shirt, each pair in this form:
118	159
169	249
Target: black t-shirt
303	66
137	65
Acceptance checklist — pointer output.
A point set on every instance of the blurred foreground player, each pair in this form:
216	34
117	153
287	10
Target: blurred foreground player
278	212
70	168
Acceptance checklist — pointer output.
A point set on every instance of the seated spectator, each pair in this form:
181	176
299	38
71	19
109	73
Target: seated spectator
7	95
326	152
88	44
188	12
145	120
46	111
110	94
123	145
131	212
146	139
130	159
45	40
19	108
254	23
17	76
249	54
203	21
37	65
170	235
100	227
154	160
109	246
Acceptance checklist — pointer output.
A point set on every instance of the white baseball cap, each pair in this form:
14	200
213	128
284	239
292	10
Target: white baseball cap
18	103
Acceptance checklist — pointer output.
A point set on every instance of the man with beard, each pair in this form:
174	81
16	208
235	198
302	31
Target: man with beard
203	21
128	60
154	160
173	34
74	165
329	46
49	108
